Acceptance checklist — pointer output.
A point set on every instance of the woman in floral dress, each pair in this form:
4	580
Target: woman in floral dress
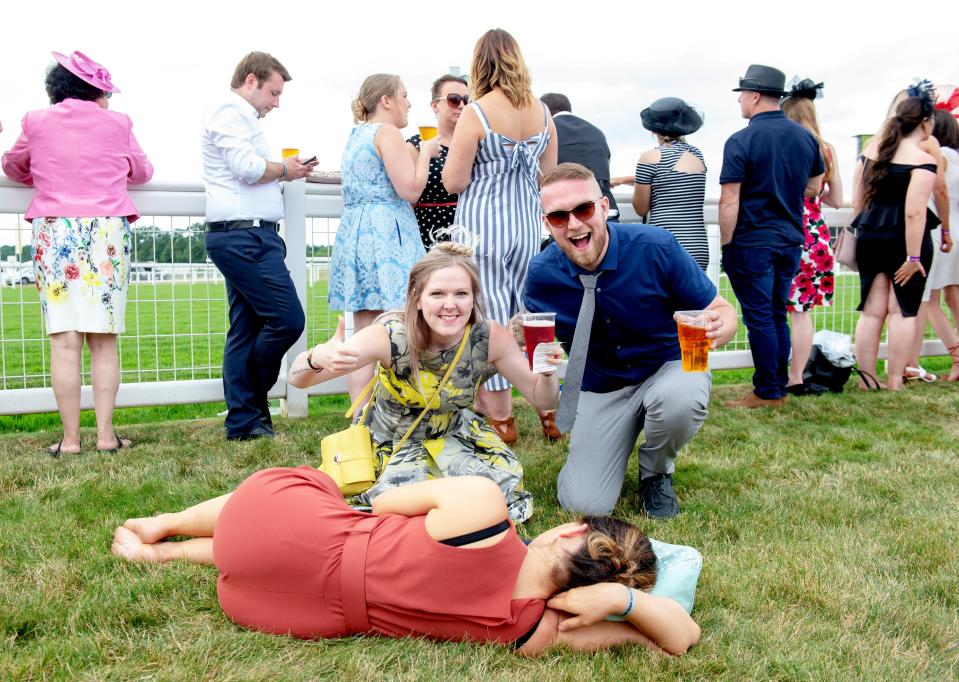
815	282
414	348
80	157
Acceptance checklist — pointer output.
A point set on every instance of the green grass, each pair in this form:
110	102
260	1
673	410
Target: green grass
829	531
173	331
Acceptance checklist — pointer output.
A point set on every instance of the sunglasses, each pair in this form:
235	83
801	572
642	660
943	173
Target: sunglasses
583	212
454	100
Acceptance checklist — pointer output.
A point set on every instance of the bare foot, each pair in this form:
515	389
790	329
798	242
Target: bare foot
149	529
128	545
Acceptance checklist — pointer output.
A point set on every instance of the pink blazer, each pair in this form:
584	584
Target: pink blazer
80	158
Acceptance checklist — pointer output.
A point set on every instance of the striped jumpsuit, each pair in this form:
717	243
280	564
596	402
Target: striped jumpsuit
500	206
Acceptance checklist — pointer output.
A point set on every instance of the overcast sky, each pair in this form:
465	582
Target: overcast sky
612	59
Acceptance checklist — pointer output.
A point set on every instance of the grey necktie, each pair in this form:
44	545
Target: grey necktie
566	413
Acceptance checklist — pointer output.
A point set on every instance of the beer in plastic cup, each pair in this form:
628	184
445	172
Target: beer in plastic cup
428	132
290	151
538	328
693	343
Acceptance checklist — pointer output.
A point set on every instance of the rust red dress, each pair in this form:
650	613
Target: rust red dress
295	559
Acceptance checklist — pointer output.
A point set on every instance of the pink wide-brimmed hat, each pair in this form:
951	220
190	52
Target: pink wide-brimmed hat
86	70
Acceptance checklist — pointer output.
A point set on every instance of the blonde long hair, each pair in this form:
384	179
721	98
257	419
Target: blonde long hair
802	110
498	63
443	255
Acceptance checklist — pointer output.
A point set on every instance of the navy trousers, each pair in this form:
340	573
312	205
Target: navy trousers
266	318
760	277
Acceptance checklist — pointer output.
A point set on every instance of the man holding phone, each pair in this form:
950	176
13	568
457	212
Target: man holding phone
244	205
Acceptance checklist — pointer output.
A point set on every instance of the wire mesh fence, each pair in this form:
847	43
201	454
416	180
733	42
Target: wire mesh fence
177	313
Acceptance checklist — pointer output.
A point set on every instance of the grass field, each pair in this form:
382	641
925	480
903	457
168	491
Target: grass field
828	530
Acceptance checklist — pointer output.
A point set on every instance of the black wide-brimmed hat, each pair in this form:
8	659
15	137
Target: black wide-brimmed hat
671	116
763	79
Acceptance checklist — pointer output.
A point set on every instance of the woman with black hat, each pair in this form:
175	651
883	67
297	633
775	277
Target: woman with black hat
814	284
671	178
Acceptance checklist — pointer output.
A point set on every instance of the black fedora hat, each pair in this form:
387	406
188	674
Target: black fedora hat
763	79
671	116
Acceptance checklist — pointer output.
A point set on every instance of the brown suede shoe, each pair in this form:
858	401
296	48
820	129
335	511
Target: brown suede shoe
550	431
752	401
505	429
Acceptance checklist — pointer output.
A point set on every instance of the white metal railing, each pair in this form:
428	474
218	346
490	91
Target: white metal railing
172	348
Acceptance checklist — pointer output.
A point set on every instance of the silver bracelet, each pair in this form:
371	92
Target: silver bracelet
286	170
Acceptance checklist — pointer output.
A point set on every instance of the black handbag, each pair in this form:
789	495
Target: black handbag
821	376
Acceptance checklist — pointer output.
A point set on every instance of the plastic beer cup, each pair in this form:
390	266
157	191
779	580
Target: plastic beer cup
693	344
428	132
538	328
290	151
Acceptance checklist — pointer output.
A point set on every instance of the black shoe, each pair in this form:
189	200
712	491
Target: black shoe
797	389
659	498
259	431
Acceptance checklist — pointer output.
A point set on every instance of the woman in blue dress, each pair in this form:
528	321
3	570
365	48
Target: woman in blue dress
504	141
378	240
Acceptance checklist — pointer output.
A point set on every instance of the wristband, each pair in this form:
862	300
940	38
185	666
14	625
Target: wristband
629	605
286	171
945	232
309	357
913	259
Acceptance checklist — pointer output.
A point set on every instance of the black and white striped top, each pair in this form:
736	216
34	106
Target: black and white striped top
676	199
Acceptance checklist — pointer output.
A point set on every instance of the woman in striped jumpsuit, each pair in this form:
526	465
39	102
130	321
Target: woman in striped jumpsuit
504	141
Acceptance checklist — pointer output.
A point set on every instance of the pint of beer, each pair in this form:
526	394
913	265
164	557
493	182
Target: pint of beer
428	132
538	328
693	344
287	152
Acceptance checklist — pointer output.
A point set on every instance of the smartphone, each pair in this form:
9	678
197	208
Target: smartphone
312	159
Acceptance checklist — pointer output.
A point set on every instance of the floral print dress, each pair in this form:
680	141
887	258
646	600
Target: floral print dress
83	269
814	284
451	440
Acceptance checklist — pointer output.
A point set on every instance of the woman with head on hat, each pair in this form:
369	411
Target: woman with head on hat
814	283
80	157
671	178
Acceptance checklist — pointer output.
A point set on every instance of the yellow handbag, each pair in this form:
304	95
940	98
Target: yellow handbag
347	456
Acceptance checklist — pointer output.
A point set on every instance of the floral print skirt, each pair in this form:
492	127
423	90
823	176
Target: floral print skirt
815	282
83	269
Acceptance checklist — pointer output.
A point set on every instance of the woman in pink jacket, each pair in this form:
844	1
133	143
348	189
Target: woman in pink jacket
80	157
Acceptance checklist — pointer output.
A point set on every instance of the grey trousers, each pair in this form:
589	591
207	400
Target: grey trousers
670	406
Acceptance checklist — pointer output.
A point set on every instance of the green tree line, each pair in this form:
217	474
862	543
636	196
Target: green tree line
153	244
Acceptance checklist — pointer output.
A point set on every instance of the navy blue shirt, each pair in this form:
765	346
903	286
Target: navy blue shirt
773	158
646	277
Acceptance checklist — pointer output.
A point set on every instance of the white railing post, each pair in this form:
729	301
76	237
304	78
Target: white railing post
294	232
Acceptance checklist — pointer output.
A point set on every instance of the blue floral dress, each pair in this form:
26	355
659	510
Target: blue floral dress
83	269
378	240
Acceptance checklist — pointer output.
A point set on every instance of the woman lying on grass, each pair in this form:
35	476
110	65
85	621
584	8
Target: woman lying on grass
437	558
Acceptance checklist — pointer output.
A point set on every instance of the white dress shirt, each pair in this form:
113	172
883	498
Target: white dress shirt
234	152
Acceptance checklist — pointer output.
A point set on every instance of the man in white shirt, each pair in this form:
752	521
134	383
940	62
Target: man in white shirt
243	205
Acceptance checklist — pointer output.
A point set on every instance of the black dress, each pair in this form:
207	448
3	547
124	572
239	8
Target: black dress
881	243
436	207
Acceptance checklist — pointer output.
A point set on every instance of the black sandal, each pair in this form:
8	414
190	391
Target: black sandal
119	446
55	452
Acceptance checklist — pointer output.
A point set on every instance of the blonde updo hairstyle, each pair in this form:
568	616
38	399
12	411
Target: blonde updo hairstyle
374	88
613	552
498	63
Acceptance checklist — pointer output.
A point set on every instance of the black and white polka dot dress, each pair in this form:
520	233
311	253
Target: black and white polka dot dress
436	207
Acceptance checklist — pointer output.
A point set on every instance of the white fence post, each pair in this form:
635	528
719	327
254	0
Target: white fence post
294	228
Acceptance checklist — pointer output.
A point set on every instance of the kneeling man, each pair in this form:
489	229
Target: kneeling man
614	289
